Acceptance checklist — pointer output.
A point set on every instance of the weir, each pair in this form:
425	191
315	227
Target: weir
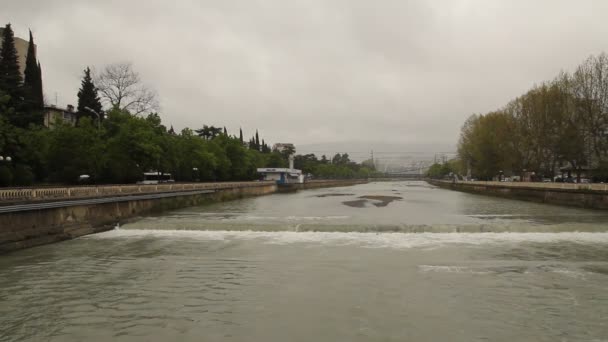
36	216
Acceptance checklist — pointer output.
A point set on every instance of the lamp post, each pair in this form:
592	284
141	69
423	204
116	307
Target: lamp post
96	114
195	171
6	159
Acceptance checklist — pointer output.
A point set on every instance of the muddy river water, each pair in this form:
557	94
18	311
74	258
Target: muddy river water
386	261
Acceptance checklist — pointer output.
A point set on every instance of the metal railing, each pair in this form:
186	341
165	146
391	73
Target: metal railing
538	185
55	193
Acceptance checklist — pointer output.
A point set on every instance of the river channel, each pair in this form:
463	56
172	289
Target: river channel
384	261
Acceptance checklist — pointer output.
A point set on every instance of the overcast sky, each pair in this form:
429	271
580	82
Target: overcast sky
317	71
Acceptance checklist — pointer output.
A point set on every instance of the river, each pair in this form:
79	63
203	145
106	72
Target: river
386	261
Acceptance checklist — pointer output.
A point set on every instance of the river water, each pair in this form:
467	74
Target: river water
386	261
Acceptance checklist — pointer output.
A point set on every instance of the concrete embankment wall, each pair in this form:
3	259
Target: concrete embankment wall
594	196
28	228
25	229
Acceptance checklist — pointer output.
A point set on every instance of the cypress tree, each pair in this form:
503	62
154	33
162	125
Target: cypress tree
39	89
10	75
87	97
257	140
225	131
241	135
32	82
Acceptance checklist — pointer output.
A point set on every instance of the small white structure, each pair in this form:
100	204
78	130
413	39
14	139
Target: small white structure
156	177
282	175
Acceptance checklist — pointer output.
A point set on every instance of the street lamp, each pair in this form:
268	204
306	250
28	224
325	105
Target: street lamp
195	170
6	159
96	114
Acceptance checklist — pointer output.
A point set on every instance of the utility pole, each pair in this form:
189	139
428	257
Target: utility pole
373	163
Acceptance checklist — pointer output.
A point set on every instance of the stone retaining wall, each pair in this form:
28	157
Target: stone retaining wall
594	196
36	227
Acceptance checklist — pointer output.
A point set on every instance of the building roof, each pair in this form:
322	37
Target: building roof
278	170
59	109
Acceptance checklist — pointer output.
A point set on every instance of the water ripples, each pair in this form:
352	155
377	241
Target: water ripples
123	295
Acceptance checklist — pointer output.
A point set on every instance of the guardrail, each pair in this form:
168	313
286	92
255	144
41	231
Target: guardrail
539	185
55	193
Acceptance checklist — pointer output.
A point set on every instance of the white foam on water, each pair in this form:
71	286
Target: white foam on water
571	273
450	269
363	239
293	218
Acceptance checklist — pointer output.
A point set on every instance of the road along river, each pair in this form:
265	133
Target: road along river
387	261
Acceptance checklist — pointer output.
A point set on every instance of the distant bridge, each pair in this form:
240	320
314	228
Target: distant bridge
404	175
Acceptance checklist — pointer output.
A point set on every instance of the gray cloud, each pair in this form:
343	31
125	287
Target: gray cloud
318	70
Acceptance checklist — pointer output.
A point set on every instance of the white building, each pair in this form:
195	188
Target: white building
54	115
282	175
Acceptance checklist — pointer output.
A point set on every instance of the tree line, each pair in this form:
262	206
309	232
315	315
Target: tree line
562	123
338	167
119	145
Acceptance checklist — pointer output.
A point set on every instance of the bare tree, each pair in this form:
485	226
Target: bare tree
121	87
590	88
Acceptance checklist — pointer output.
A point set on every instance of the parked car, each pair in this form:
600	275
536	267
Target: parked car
84	179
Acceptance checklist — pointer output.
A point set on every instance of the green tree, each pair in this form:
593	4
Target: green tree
32	81
487	144
438	171
88	98
265	147
74	151
10	76
276	159
208	132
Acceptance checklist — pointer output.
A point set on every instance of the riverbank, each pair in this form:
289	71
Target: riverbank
592	196
50	215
